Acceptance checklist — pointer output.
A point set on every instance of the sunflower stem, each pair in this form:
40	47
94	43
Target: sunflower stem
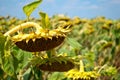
22	26
81	66
51	53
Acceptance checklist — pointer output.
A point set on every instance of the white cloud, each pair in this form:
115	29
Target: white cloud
107	4
86	3
115	1
90	7
110	1
77	5
93	7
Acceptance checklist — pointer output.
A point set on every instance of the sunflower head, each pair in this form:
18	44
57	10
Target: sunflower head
80	74
77	75
39	40
56	63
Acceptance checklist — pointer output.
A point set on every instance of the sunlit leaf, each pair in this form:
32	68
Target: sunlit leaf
2	42
8	66
29	8
21	58
7	59
45	20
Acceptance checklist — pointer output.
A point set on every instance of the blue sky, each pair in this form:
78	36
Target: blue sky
72	8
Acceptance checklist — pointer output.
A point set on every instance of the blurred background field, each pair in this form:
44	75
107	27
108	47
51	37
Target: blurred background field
82	8
96	39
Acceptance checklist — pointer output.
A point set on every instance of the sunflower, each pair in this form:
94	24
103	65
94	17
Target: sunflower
53	64
76	74
40	40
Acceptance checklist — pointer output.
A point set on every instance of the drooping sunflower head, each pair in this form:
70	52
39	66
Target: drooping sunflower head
39	40
81	74
77	75
53	64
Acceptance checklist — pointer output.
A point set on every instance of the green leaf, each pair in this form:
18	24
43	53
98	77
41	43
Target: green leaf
29	8
27	74
7	59
45	20
8	66
21	58
2	42
37	73
7	47
12	61
73	43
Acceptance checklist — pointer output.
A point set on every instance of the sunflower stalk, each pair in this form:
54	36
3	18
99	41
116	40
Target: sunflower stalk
51	53
22	26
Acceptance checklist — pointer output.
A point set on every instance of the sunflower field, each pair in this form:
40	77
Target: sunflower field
59	47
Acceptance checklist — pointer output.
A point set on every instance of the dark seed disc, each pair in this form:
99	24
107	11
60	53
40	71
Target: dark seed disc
40	44
56	66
